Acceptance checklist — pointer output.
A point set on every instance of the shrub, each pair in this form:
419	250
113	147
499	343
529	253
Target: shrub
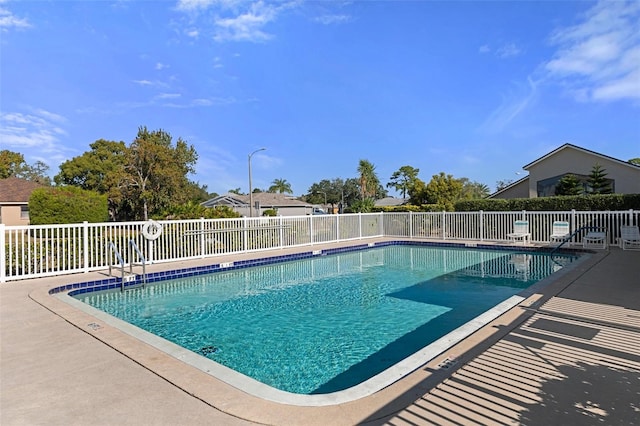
67	204
602	202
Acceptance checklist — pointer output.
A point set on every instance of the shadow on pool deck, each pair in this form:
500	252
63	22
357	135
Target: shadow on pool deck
569	354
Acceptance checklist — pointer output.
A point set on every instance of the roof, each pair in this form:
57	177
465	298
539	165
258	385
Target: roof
16	190
390	201
511	185
577	148
266	199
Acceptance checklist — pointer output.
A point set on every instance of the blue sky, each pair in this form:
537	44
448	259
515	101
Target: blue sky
475	89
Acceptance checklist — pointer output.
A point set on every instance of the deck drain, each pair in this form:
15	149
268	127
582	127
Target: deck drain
207	350
448	362
94	326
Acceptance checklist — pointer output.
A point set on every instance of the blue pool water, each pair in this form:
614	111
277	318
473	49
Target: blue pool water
327	323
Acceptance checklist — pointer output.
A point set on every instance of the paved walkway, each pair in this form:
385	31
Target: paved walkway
569	355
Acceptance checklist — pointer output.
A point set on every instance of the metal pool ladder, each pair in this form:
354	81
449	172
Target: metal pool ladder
130	276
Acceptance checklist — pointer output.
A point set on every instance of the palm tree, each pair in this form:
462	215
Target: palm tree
281	186
369	182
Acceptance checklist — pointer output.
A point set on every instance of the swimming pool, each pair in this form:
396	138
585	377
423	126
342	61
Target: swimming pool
327	323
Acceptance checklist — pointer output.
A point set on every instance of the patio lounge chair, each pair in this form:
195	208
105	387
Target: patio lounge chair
559	231
629	238
595	239
520	232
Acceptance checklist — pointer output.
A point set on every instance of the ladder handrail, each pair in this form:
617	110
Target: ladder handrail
134	246
583	228
120	259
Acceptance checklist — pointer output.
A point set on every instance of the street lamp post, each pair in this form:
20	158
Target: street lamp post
251	189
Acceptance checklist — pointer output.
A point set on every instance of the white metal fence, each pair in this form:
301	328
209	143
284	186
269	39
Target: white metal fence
47	250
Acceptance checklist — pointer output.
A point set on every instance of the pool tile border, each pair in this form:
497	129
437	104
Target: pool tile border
113	283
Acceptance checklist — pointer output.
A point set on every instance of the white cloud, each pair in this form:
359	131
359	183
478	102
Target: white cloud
231	20
598	59
8	20
161	66
36	135
508	50
168	96
247	26
333	19
194	5
511	107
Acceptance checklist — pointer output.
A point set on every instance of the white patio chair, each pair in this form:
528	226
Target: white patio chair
630	238
520	232
595	239
559	231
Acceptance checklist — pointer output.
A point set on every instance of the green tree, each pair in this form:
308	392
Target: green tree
598	181
156	171
363	206
280	186
12	164
418	193
369	182
473	190
235	191
569	185
635	161
402	179
502	184
444	190
194	210
97	170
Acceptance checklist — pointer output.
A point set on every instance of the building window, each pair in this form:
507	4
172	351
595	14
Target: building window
547	187
24	212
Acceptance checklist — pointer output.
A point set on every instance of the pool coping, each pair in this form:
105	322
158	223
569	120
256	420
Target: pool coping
168	366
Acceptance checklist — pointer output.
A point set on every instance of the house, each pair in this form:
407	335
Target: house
14	200
391	202
284	205
546	172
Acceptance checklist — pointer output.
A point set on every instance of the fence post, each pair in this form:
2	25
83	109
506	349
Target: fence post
381	228
202	239
359	225
338	226
410	224
85	245
3	255
312	240
281	231
481	225
444	225
246	233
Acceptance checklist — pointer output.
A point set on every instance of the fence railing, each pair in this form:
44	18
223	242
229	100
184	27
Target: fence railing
47	250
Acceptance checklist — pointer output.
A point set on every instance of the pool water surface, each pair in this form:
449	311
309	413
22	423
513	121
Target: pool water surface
327	323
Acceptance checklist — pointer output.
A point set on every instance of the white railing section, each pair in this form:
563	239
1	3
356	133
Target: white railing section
47	250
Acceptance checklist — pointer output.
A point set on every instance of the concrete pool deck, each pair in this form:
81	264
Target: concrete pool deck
568	354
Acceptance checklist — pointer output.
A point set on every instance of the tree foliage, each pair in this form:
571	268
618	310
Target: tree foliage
142	180
337	190
12	164
280	186
369	183
473	190
635	161
403	179
569	185
598	181
66	204
194	210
